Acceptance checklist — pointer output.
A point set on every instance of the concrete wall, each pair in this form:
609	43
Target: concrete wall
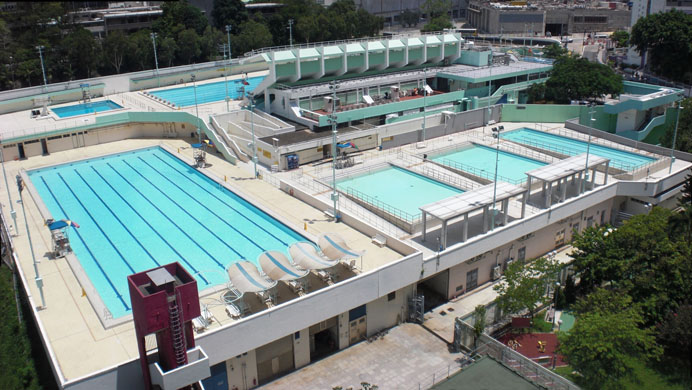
242	370
383	313
301	348
540	112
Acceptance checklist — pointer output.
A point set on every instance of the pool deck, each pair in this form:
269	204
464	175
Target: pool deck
69	319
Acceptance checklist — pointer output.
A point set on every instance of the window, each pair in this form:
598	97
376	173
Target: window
560	237
391	296
296	335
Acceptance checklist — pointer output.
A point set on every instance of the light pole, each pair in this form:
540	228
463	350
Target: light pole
496	134
490	84
43	68
290	32
194	88
557	288
39	281
332	119
425	95
156	58
9	197
588	147
228	37
675	135
251	97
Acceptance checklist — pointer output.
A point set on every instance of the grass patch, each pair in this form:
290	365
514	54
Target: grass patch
645	377
540	326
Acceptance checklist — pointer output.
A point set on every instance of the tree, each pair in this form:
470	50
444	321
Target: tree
188	46
554	51
437	24
82	51
579	79
524	284
410	17
479	322
621	38
536	93
667	37
675	333
116	46
226	12
603	346
253	35
142	50
177	16
681	222
166	51
437	15
597	258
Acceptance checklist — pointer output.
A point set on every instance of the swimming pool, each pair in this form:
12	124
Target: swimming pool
85	108
620	159
398	188
146	208
480	161
206	93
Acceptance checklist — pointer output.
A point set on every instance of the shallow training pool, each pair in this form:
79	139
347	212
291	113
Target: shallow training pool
85	108
620	159
207	93
480	161
397	188
146	208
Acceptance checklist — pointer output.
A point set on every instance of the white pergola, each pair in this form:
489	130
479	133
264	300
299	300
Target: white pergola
470	201
560	172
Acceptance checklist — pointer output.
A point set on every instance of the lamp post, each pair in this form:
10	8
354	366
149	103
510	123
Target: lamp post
194	88
490	83
251	97
675	135
9	196
588	147
37	278
156	58
225	74
425	95
290	32
332	119
557	288
43	68
496	134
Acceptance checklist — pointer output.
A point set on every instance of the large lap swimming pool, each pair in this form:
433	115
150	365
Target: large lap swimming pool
206	93
85	108
480	161
620	159
397	188
146	208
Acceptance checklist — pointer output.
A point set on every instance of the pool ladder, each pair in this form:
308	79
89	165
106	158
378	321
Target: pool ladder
177	333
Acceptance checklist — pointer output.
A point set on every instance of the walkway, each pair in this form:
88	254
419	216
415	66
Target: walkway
405	357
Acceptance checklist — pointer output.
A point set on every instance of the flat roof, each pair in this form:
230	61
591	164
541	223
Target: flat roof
486	373
566	167
463	203
474	74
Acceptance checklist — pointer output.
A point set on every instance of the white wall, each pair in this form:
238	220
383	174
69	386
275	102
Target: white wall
301	348
383	313
242	371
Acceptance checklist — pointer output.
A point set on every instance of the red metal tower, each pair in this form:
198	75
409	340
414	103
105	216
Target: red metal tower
164	301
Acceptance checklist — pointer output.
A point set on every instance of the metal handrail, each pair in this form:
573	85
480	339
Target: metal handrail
480	172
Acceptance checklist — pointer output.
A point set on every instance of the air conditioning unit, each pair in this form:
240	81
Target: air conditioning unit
497	272
508	262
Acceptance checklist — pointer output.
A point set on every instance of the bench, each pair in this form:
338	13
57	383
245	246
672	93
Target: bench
379	240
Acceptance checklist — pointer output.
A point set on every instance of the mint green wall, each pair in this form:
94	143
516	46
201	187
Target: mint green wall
480	91
333	64
450	50
354	62
539	112
415	54
375	59
434	52
396	56
605	122
308	68
474	58
286	70
383	109
419	115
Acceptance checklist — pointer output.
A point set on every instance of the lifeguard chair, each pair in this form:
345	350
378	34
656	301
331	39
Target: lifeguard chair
200	154
59	236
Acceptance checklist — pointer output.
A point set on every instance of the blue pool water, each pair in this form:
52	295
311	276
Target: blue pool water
480	161
85	108
146	208
618	158
206	93
398	188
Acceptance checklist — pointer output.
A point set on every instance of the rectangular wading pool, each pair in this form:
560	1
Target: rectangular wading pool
144	208
620	159
85	108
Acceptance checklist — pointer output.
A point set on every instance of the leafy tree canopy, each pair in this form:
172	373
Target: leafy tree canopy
410	17
554	51
575	78
524	284
683	140
667	36
225	12
621	38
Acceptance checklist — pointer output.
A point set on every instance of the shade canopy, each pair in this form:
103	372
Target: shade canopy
245	277
335	248
277	266
307	256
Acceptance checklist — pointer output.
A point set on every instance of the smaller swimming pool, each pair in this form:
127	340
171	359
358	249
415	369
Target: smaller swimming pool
397	191
207	93
479	160
85	108
566	321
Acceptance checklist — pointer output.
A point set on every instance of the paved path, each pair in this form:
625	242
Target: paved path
406	356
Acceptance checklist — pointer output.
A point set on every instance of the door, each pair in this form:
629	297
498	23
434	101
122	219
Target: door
357	330
471	279
20	149
521	254
44	147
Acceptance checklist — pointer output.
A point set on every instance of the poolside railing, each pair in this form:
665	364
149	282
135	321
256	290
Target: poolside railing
482	173
386	207
595	140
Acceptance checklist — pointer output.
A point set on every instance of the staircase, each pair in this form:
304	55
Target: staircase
621	218
177	333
